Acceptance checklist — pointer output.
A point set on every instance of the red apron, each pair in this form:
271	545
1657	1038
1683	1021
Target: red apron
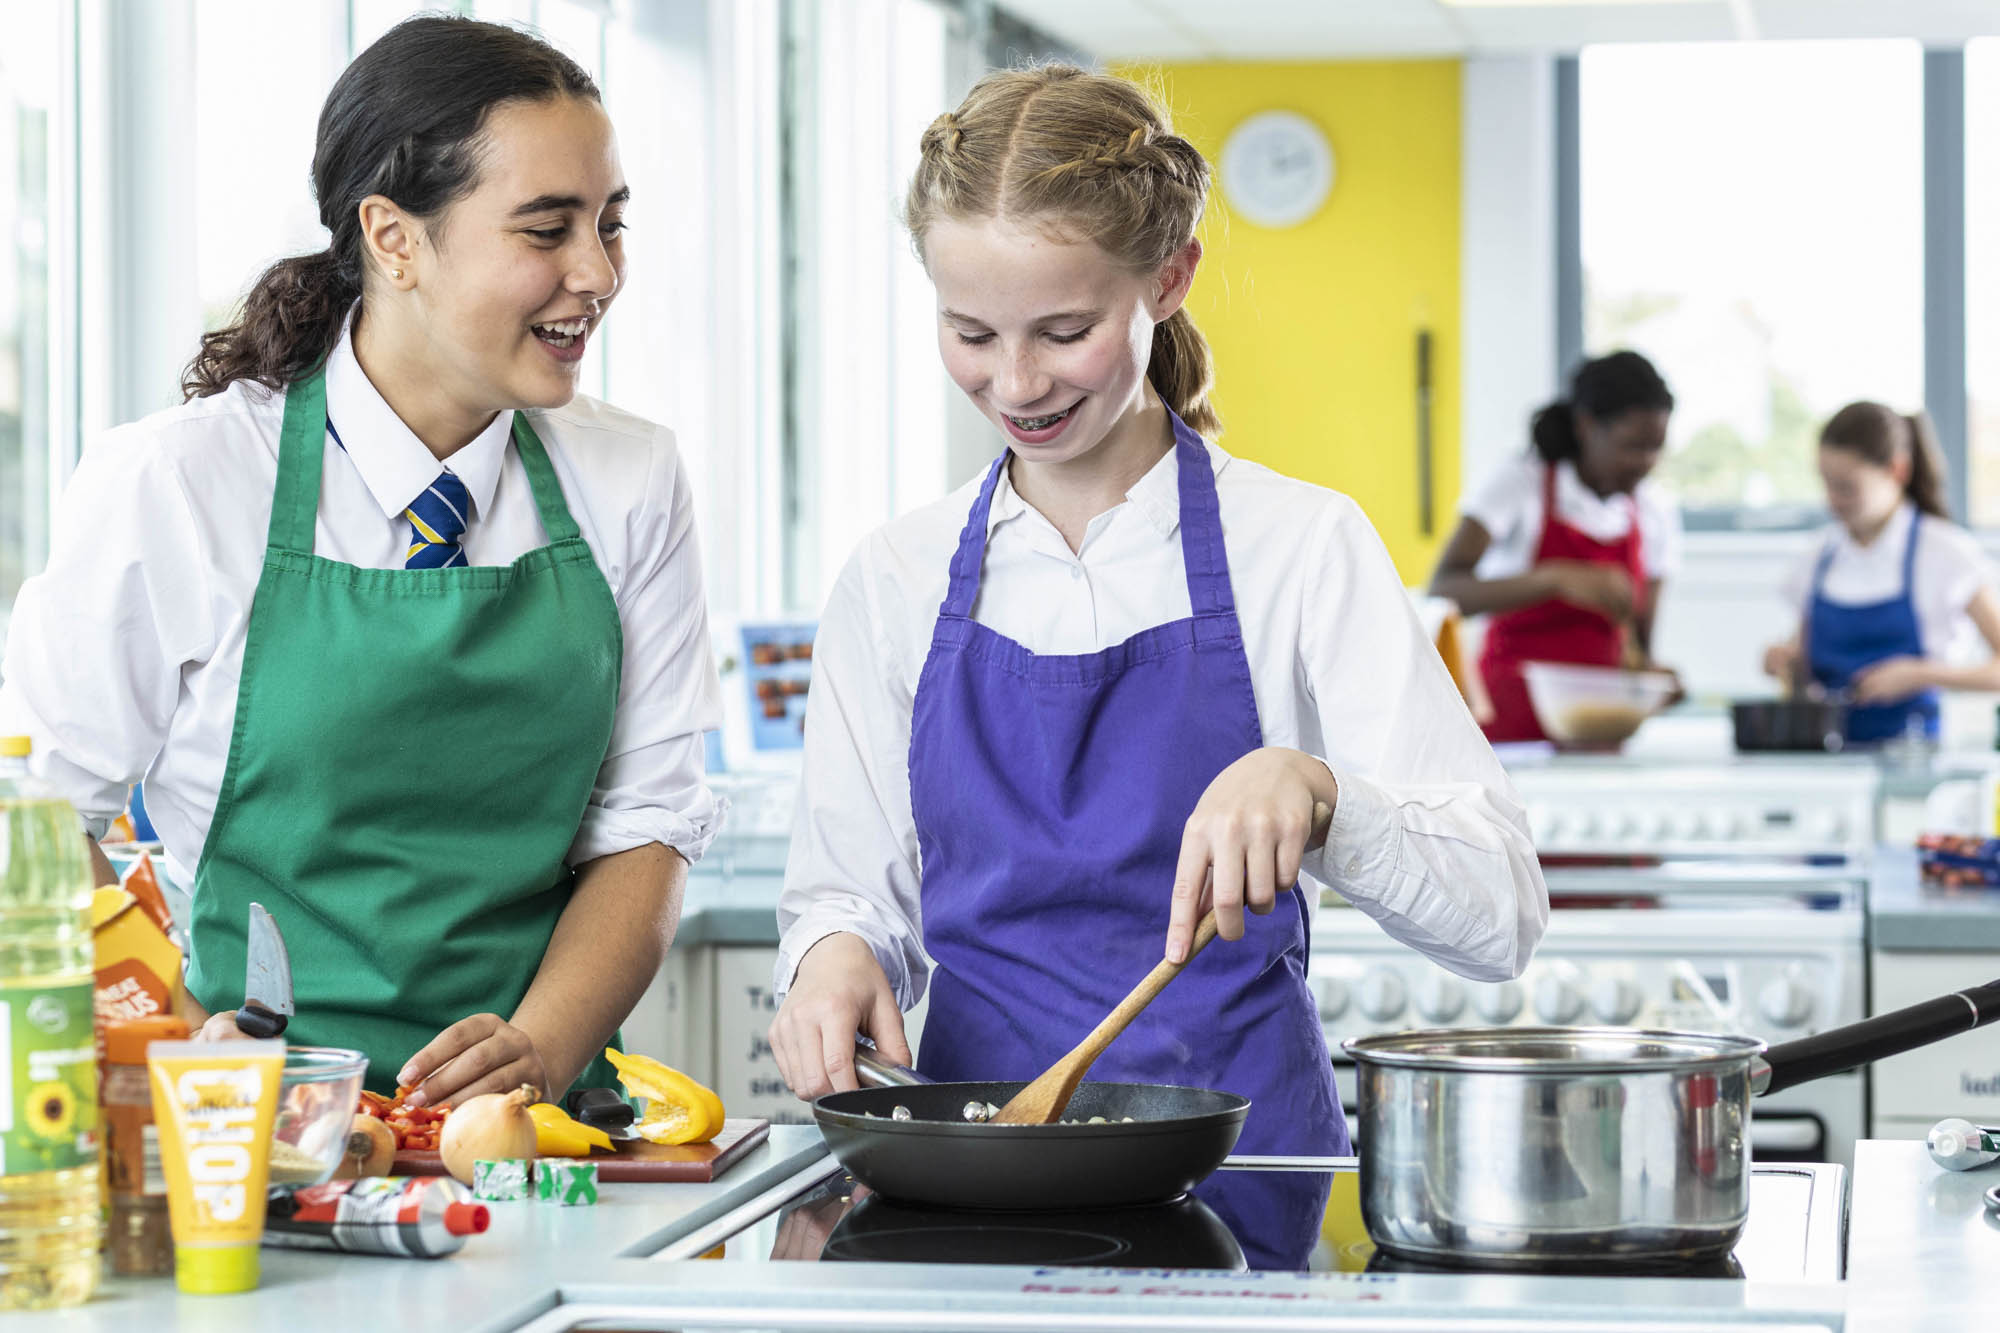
1554	631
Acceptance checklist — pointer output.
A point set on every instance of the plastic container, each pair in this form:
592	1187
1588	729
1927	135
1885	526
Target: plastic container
1586	707
138	1239
51	1225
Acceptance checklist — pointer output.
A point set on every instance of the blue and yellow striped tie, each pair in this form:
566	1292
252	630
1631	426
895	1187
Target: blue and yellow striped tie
437	522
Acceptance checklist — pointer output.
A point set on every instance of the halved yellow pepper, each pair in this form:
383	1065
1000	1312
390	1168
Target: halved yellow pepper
678	1109
557	1134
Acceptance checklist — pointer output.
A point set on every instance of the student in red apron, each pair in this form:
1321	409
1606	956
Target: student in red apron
1897	602
1060	711
1566	547
405	637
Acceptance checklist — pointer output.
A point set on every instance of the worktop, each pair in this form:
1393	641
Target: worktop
1921	1258
1906	914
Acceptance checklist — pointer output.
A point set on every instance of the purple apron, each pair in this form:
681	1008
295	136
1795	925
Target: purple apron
1050	793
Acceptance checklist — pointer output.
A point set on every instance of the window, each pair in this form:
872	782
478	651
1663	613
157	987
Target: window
1982	277
1752	220
31	215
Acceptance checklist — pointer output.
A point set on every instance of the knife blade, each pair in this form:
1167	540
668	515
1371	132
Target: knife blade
267	978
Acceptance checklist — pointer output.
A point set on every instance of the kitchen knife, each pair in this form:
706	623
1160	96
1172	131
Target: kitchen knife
267	979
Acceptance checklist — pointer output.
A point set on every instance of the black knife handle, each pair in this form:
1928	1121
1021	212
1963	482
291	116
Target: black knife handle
603	1108
254	1020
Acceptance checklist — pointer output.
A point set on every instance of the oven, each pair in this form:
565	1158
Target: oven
1713	897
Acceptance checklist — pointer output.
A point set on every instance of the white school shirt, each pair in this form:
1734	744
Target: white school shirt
1950	570
1428	836
1508	504
123	656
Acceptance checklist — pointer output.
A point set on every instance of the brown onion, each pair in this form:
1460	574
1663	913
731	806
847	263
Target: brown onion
493	1126
371	1149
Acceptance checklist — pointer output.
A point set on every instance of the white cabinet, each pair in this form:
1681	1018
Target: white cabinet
746	1073
1956	1077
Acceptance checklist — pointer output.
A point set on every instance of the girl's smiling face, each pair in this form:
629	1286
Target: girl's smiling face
1049	337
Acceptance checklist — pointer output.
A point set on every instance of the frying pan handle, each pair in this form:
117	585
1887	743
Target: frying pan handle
1841	1049
876	1072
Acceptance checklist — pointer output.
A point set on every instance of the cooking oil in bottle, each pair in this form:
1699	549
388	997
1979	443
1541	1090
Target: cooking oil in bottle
50	1226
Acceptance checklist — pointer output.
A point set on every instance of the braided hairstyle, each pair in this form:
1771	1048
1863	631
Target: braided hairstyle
405	121
1097	156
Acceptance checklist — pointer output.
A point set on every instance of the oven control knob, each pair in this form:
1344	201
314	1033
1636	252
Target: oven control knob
1498	1003
1614	1000
1785	1001
1828	827
1381	995
1729	825
1332	998
1557	1001
1440	998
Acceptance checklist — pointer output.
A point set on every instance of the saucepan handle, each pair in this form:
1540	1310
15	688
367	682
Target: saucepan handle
875	1072
1841	1049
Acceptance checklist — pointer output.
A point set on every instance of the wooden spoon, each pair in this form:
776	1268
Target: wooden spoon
1043	1101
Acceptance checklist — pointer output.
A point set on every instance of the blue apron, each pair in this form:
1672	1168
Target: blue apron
1050	794
1841	640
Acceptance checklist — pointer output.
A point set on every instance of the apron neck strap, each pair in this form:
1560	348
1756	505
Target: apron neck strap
302	447
1206	563
1910	551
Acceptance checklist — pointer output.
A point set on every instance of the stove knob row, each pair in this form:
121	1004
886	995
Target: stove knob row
1440	998
1381	994
1499	1002
1614	1000
1785	1001
1557	1001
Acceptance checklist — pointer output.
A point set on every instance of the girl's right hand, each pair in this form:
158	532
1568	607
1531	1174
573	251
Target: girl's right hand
1594	587
840	990
1781	660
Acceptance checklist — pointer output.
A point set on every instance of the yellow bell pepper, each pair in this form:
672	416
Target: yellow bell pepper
559	1135
678	1109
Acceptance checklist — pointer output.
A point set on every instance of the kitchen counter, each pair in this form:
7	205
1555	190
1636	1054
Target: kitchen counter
1921	1259
1923	1255
733	910
1904	913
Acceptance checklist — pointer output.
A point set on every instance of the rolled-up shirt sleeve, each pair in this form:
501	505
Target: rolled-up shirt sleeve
652	786
1428	838
97	640
854	860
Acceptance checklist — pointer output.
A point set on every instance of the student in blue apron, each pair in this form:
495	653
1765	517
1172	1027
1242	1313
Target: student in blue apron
1897	601
405	637
1059	713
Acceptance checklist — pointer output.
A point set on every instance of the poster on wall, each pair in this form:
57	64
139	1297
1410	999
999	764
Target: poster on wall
777	666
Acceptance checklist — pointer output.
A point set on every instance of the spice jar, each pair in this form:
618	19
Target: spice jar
138	1237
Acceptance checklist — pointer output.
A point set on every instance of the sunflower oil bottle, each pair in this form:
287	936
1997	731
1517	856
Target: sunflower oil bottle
50	1225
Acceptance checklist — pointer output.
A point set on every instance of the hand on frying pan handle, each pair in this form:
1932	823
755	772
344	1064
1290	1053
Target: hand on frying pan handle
1845	1048
840	990
1244	843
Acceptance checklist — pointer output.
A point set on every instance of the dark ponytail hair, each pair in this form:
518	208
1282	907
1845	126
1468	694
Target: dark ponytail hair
403	121
1606	387
1879	435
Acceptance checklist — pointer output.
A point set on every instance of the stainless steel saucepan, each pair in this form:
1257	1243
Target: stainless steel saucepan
1533	1146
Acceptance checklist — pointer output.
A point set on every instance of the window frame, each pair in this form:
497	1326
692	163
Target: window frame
1943	227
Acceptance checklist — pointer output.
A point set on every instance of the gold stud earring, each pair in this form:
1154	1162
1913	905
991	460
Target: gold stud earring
396	273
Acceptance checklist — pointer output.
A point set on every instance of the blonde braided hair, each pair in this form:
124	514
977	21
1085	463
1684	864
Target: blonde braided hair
1098	158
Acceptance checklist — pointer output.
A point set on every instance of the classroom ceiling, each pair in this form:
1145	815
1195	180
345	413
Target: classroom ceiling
1332	29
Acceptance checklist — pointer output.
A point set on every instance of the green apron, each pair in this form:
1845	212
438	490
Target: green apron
412	754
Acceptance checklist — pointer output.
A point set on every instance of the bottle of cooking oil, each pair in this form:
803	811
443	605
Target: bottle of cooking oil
50	1226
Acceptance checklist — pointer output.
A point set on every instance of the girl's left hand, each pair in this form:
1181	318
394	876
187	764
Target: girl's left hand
1245	840
1888	680
479	1054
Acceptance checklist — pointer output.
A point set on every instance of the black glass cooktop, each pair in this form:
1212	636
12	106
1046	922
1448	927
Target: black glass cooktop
1239	1218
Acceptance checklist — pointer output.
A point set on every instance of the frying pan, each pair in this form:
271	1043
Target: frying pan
1520	1147
936	1157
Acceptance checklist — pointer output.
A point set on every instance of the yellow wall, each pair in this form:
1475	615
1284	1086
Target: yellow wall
1314	327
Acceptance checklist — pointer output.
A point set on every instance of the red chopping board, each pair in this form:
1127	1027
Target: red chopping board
638	1160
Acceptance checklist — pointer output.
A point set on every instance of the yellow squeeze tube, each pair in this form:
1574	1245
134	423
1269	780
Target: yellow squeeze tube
215	1103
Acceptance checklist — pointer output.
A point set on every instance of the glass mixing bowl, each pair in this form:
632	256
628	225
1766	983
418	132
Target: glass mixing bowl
316	1104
